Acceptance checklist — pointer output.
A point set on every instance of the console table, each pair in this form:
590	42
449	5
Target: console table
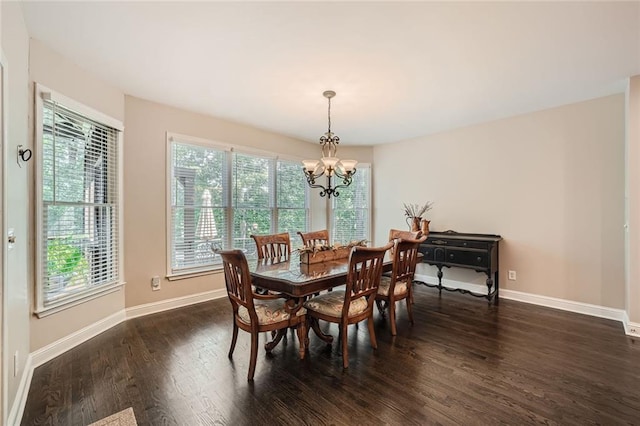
471	251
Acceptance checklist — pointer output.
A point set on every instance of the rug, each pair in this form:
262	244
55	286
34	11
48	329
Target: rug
123	418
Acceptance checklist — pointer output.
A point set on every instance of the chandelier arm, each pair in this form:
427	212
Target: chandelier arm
346	177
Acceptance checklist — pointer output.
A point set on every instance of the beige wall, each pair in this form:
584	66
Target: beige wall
633	200
551	183
57	73
15	46
145	189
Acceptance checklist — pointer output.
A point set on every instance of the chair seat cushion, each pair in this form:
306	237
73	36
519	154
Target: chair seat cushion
331	304
399	290
268	312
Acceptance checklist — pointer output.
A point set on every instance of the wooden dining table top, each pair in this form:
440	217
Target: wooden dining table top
289	276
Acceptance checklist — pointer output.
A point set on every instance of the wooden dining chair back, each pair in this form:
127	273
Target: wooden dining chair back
253	312
274	245
355	302
399	285
395	234
313	238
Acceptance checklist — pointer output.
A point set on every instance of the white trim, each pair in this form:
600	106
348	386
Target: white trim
631	328
178	302
43	92
78	300
535	299
565	305
201	273
72	340
17	409
4	280
57	348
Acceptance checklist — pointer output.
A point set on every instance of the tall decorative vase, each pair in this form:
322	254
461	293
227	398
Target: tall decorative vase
415	224
424	227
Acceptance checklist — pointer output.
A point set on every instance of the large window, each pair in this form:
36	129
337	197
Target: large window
220	196
351	211
78	181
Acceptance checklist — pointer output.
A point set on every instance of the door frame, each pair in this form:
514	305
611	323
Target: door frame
4	364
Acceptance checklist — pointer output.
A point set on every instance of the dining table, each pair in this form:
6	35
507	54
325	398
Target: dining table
298	280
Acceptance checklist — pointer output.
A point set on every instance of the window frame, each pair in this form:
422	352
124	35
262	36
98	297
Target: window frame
41	93
229	149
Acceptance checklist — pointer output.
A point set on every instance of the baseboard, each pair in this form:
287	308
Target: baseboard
47	353
60	346
631	328
17	408
550	302
178	302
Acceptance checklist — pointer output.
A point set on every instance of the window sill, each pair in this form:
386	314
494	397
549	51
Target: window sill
193	274
77	300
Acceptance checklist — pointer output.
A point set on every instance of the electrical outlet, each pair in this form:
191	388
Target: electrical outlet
512	276
155	283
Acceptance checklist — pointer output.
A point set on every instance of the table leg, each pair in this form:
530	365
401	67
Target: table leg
315	325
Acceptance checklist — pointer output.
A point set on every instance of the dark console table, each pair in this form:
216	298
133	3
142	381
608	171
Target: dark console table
472	251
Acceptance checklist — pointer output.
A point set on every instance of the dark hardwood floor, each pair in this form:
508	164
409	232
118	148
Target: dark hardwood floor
463	362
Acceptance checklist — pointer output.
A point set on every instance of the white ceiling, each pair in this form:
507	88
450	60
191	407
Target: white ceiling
400	70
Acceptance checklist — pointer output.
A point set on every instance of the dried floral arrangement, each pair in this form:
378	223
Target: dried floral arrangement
336	246
416	210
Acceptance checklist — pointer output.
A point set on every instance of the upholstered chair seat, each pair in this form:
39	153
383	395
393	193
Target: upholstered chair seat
385	283
268	312
331	304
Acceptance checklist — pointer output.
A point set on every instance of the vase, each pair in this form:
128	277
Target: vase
424	227
415	224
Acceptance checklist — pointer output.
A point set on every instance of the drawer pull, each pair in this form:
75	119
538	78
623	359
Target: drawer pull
479	259
451	256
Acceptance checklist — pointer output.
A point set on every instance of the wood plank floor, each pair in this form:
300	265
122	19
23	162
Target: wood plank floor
463	362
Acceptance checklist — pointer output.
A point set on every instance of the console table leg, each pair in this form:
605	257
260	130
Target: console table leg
496	298
440	280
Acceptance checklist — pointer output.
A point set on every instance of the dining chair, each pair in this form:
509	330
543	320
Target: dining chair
313	238
355	302
399	285
274	245
395	234
255	313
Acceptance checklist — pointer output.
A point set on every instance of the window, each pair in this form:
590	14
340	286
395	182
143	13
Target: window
351	211
79	241
220	196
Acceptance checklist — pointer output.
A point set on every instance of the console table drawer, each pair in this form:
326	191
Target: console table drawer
457	243
467	257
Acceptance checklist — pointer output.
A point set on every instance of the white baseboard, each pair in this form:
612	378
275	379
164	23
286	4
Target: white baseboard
631	328
550	302
17	408
565	305
47	353
60	346
178	302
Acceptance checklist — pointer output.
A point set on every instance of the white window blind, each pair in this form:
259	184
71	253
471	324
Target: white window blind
292	199
198	201
249	193
79	205
351	211
252	199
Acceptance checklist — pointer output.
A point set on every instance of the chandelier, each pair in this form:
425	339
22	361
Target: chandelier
329	165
